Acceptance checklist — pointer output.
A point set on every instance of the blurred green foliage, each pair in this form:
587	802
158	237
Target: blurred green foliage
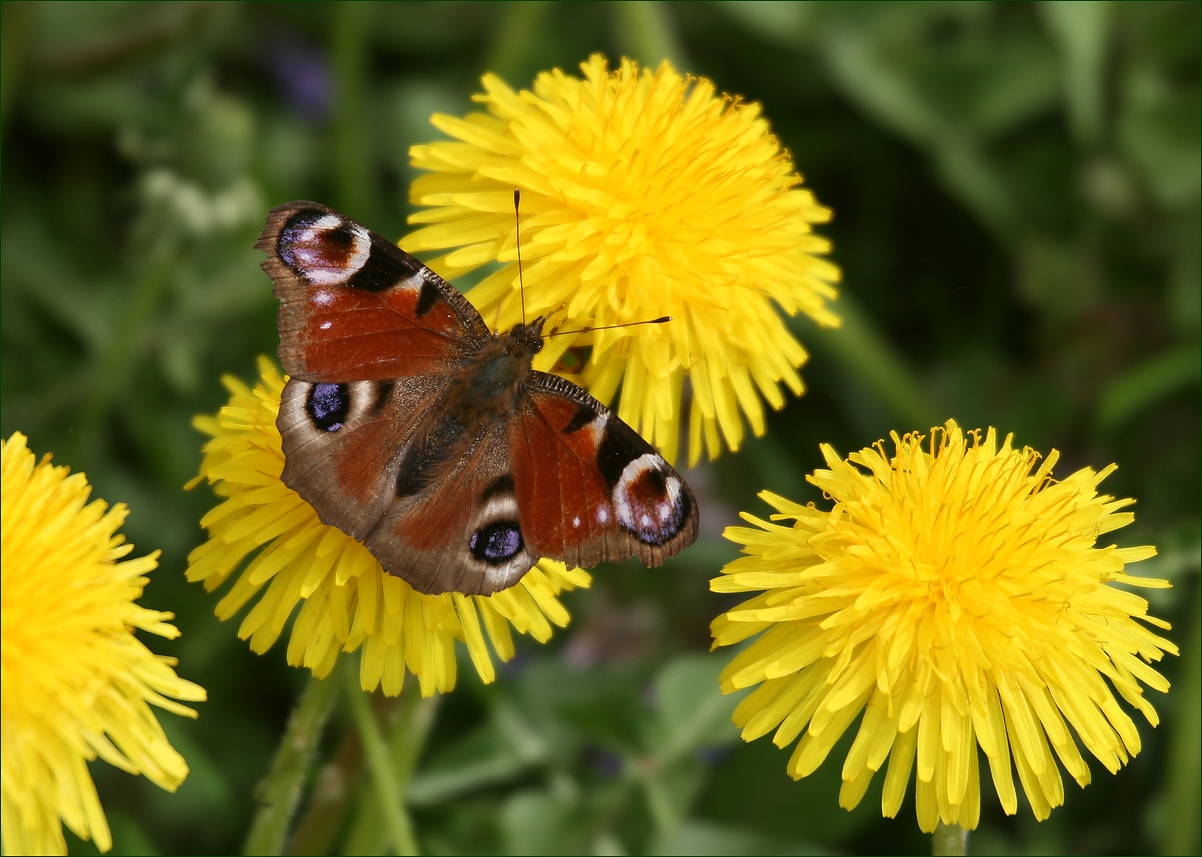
1016	191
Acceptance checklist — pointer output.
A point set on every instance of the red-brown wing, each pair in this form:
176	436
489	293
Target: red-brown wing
355	307
461	531
344	444
589	488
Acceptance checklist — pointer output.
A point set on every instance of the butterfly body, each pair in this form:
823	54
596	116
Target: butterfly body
410	426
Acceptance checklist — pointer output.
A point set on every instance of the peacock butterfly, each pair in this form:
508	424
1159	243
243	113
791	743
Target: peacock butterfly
416	430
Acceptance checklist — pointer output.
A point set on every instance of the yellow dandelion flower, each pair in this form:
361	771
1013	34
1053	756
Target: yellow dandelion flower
956	599
643	194
77	682
346	599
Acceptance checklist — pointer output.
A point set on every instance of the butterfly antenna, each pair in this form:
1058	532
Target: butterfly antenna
517	239
663	319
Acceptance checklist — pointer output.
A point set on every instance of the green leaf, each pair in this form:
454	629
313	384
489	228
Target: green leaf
536	823
781	21
692	711
483	757
1161	132
703	837
1082	30
1139	388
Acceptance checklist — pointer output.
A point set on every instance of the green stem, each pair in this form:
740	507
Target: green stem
664	817
352	160
949	840
389	779
409	733
1179	825
646	33
15	39
277	795
334	793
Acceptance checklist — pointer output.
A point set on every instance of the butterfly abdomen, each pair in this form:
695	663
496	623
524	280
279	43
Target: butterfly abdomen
483	394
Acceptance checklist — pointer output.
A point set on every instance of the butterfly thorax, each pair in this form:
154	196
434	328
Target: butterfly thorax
495	373
482	395
525	339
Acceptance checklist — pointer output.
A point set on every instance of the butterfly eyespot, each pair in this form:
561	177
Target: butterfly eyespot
328	406
496	543
650	503
323	248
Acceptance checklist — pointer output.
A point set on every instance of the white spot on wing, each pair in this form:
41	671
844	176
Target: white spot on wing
498	507
411	284
596	429
325	223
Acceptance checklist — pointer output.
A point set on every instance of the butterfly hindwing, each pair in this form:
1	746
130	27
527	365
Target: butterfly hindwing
344	444
564	478
463	531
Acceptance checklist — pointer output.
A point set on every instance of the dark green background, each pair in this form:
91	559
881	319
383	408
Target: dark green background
1016	194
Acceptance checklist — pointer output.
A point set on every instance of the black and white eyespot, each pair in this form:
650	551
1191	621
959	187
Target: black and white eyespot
650	500
495	540
496	534
496	543
327	408
323	248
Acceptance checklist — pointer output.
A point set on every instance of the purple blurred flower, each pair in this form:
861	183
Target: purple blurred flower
303	74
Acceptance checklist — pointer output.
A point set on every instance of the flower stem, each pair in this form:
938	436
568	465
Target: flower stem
391	764
949	840
349	28
1179	826
646	32
278	793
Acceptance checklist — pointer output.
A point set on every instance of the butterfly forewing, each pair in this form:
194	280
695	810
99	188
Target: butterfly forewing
411	427
355	307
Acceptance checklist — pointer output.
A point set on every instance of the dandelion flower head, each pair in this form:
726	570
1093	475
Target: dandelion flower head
346	600
954	596
643	194
77	683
